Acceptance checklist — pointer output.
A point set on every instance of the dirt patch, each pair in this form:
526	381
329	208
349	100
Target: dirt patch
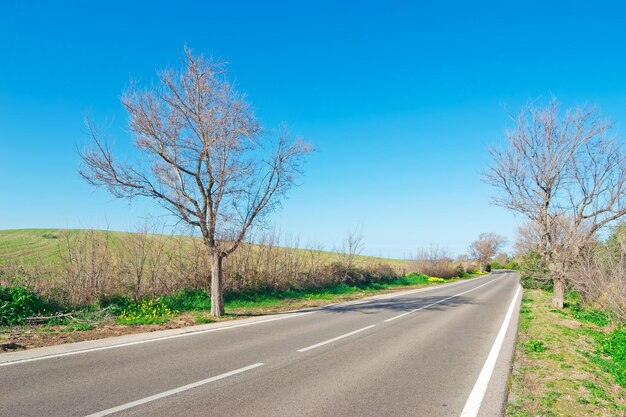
11	347
572	324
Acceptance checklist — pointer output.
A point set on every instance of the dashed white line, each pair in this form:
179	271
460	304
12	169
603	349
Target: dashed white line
438	302
172	391
156	339
474	401
335	338
400	294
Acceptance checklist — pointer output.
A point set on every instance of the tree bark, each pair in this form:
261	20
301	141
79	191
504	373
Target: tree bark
217	283
558	294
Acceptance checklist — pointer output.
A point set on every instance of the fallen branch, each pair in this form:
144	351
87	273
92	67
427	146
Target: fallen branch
46	318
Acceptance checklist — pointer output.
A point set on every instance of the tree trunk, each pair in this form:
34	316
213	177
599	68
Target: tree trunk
217	286
558	292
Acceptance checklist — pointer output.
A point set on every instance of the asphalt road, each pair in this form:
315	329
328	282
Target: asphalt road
406	354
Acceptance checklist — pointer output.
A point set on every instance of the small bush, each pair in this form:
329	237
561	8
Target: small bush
409	279
534	346
534	272
146	311
79	327
188	300
436	279
536	284
513	264
18	303
495	265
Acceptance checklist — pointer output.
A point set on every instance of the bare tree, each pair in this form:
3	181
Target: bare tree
502	258
209	162
351	247
564	173
485	247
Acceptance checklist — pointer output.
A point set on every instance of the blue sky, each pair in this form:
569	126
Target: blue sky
400	100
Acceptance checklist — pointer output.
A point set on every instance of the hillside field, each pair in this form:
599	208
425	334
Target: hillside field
45	245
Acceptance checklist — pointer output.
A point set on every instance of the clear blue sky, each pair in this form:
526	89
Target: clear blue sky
401	100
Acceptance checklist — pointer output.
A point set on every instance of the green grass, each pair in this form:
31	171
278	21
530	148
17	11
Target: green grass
204	320
597	317
535	346
611	354
569	362
79	327
31	245
188	300
269	298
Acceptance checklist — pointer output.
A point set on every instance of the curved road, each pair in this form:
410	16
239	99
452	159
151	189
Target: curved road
432	352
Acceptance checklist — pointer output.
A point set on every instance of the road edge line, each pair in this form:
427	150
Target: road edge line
140	342
476	397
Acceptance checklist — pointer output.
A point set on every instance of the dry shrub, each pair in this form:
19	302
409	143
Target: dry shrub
600	277
98	265
435	262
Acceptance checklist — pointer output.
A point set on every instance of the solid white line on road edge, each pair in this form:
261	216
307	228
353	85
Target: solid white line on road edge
439	302
335	338
472	406
156	339
172	391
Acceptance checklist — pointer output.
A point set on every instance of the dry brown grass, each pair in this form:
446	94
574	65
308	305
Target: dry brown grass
77	268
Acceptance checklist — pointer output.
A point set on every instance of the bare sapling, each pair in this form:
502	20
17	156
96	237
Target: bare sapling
351	248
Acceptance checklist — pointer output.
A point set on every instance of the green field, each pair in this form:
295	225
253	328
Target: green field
45	245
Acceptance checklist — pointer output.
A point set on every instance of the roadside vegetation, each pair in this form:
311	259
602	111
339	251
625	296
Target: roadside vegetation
569	362
572	361
564	172
59	286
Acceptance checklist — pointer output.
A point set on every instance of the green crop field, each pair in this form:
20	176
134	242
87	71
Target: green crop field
46	245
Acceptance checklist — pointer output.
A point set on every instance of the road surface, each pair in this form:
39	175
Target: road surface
443	351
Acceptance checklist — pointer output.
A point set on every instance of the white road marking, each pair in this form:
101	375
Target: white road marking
472	406
335	339
439	302
400	294
156	339
172	391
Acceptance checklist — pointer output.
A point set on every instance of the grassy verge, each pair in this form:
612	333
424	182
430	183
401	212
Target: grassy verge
569	362
186	308
332	292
